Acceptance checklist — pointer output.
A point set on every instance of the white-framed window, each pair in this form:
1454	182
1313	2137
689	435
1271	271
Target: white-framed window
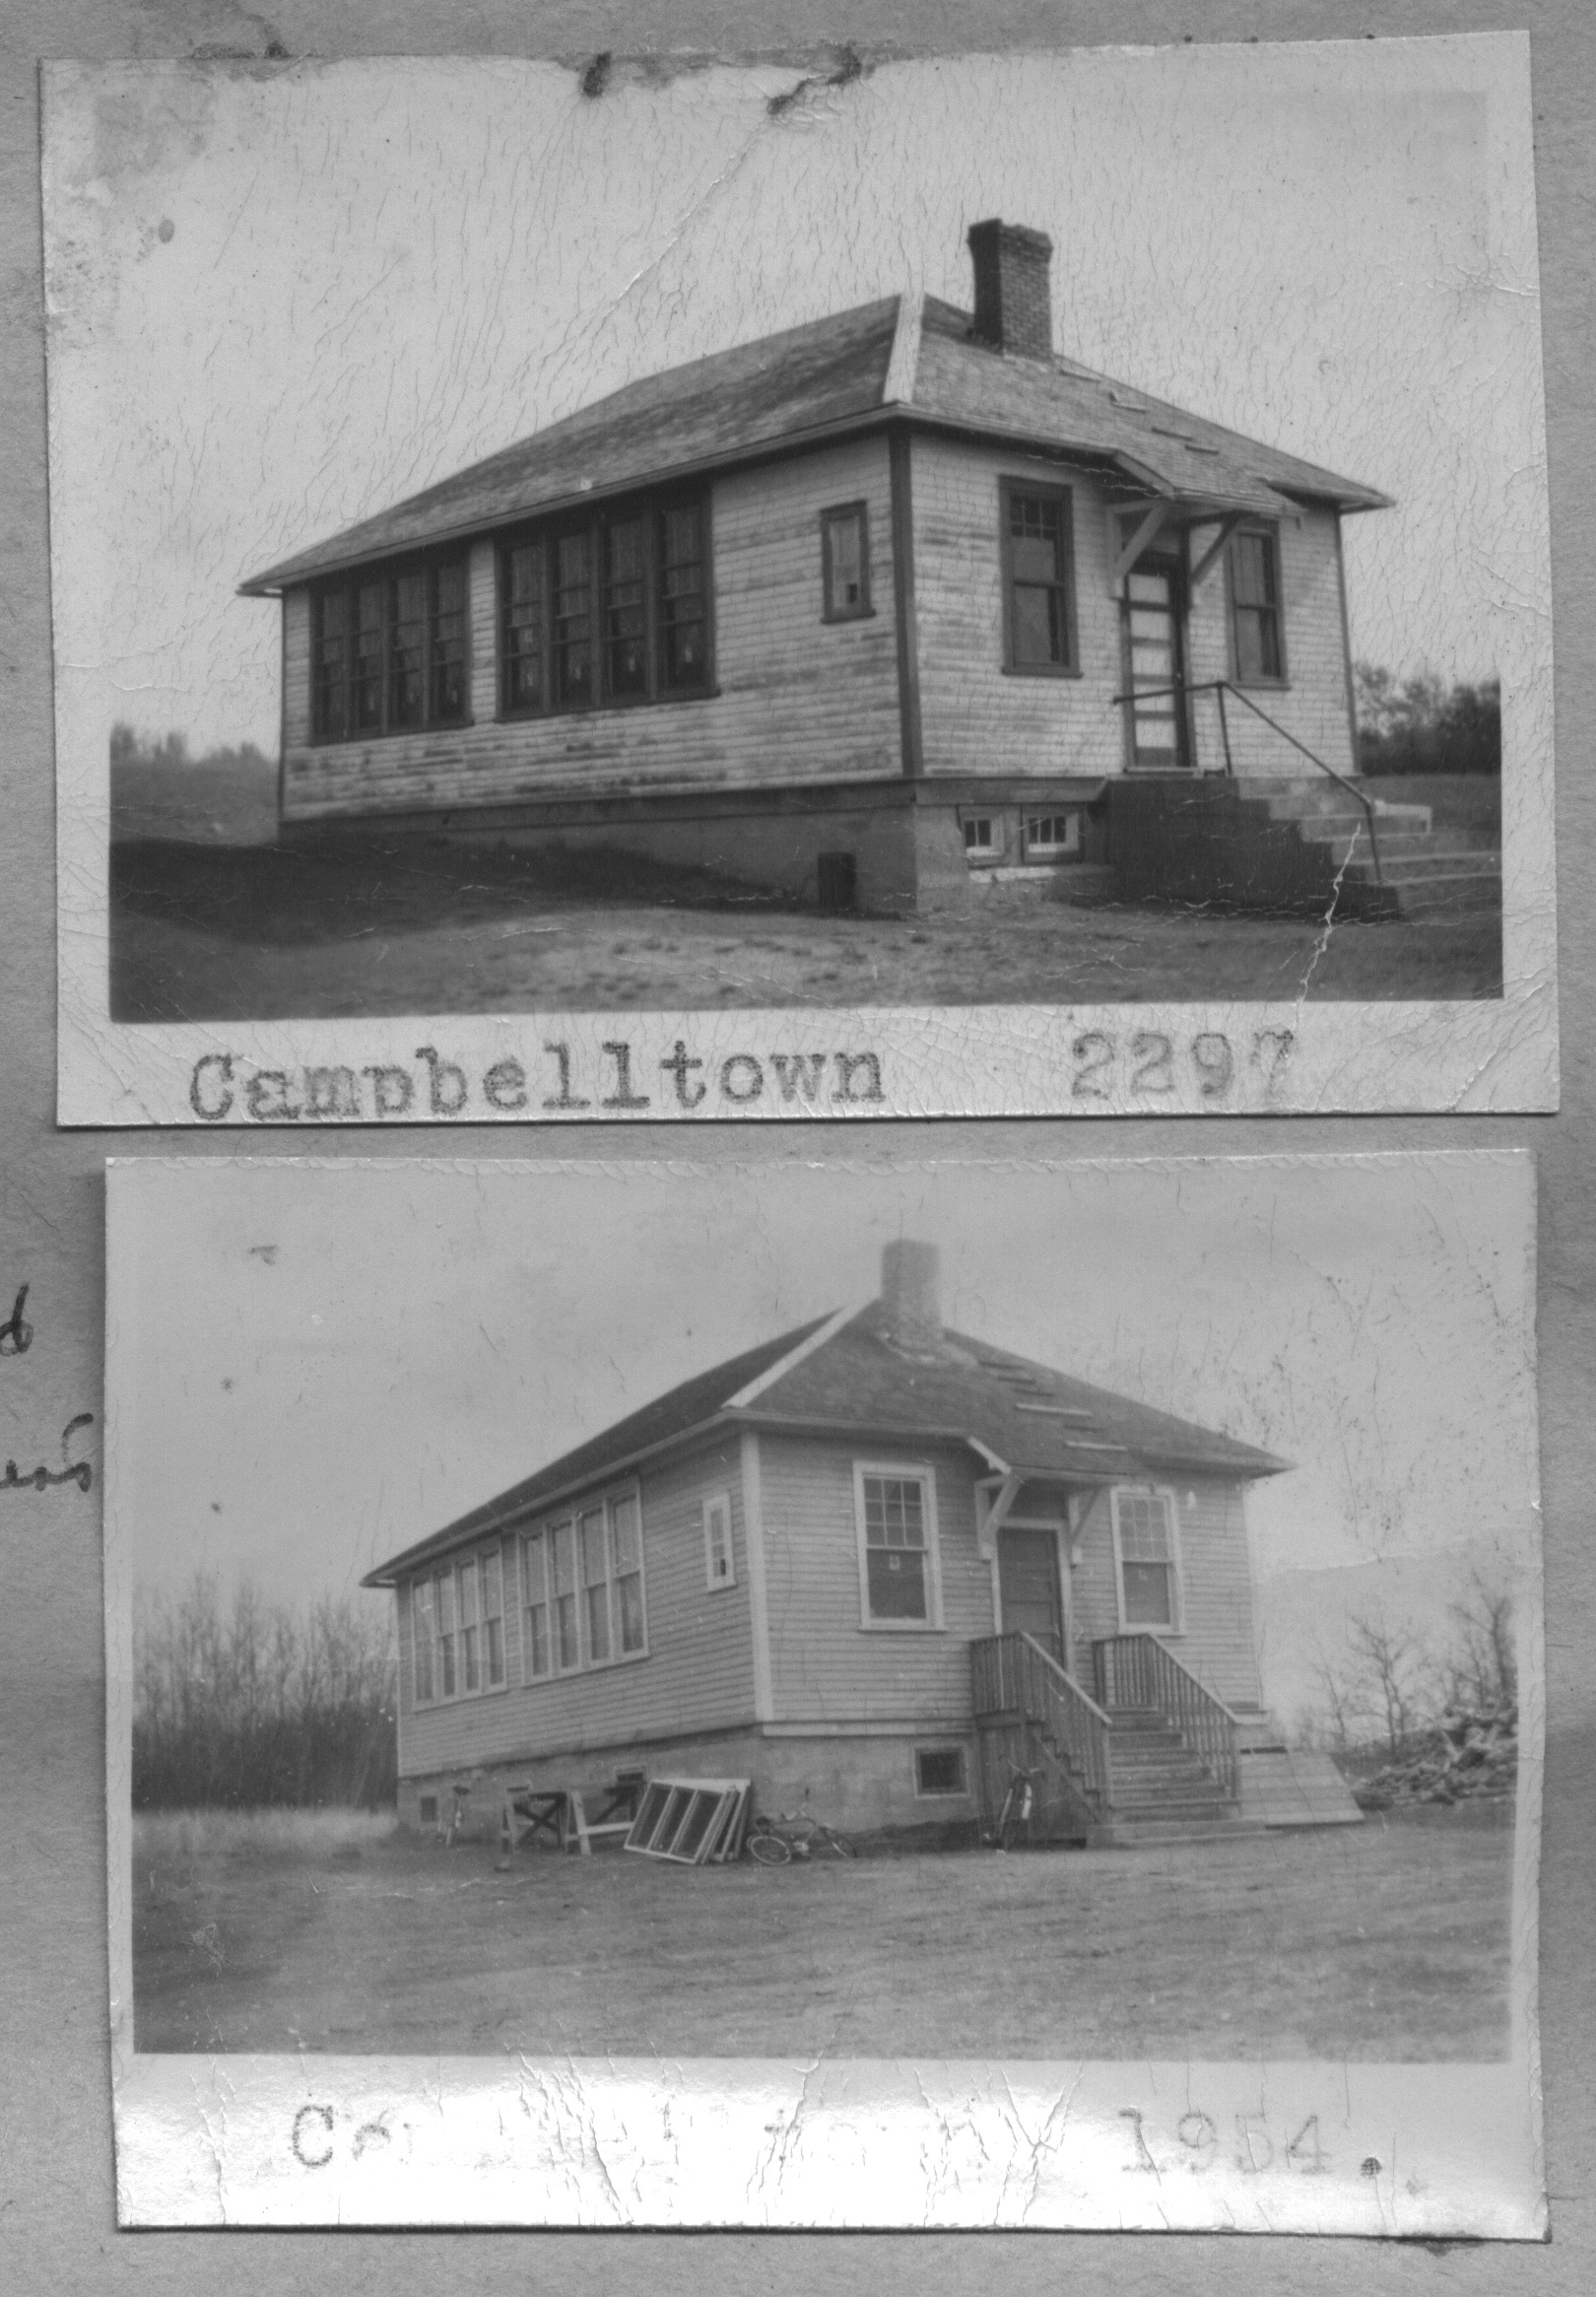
719	1569
983	835
582	1590
1049	837
457	1627
1147	1558
899	1571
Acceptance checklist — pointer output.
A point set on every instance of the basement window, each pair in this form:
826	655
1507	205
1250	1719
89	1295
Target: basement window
1051	837
983	835
607	610
939	1770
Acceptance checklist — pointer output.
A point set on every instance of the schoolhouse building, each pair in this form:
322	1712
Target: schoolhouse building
875	1568
876	611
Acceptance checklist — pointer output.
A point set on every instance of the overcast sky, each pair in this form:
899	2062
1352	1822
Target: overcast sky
283	299
313	1366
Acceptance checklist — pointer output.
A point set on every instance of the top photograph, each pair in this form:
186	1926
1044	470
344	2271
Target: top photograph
658	590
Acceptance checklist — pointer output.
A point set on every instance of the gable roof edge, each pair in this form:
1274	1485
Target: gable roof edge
794	1357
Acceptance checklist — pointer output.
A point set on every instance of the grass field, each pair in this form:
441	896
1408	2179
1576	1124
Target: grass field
254	933
338	1932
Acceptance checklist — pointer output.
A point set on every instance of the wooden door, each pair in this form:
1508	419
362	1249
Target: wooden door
1029	1586
1153	619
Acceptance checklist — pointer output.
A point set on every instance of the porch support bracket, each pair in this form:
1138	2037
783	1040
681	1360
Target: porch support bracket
1227	527
999	1504
1145	532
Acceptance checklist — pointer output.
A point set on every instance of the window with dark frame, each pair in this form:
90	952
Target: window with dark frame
846	562
606	612
1256	638
389	652
1039	587
939	1770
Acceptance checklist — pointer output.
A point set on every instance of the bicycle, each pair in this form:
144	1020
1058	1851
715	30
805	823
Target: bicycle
1014	1819
776	1841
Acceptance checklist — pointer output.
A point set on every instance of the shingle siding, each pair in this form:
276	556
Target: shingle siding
798	698
697	1674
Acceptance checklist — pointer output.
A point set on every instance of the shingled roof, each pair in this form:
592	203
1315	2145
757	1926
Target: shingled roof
907	358
851	1375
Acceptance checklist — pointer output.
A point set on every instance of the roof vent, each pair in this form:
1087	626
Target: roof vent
911	1291
1014	303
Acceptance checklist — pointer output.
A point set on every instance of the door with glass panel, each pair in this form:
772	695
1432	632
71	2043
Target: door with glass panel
1153	615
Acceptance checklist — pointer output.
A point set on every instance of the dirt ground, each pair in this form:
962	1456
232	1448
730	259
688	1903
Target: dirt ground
226	934
1388	1940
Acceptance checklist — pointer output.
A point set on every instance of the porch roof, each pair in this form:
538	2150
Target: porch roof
904	359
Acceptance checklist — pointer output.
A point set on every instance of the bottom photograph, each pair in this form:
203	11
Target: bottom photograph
825	1694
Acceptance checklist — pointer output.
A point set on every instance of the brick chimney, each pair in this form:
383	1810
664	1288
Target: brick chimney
909	1296
1014	303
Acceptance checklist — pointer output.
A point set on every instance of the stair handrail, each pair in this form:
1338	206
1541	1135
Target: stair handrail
1198	1713
1219	688
1014	1672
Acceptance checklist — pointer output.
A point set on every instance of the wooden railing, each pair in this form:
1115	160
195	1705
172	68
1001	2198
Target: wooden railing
1011	1675
1136	1670
1219	688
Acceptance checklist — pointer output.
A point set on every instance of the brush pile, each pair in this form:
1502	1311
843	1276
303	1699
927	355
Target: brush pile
1465	1756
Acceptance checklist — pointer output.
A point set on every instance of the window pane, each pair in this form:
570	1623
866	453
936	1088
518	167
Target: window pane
895	1584
630	1598
627	1527
469	1660
366	700
1147	1595
330	699
626	608
1252	569
523	626
1035	531
894	1513
844	539
407	631
564	1602
596	1585
421	1623
1143	1527
468	1595
1038	629
536	1653
492	1587
719	1544
448	666
495	1633
574	619
684	630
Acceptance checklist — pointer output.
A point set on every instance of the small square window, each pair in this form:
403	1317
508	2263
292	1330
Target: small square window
981	834
426	1811
846	561
939	1770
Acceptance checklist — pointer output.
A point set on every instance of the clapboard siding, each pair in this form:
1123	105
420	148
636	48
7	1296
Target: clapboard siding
798	700
1313	704
1218	1640
824	1667
698	1674
978	718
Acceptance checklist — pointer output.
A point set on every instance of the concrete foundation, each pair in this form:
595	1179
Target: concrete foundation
864	1784
893	849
